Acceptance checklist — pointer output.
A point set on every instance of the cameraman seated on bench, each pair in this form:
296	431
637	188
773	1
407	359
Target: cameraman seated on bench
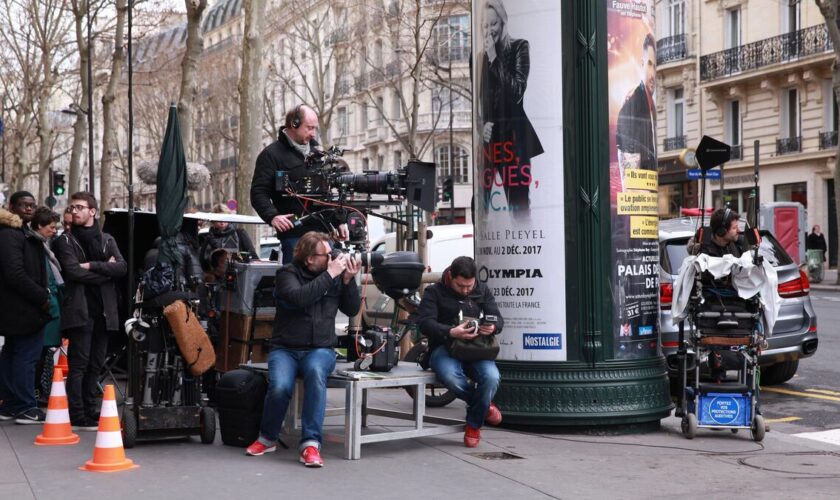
444	316
308	292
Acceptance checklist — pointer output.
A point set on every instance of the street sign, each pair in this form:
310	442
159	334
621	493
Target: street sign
712	153
51	201
232	204
697	173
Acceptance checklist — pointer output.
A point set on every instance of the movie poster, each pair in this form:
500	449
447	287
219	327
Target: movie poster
631	49
517	144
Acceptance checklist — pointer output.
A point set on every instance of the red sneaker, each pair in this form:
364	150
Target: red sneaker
471	436
494	416
257	448
311	457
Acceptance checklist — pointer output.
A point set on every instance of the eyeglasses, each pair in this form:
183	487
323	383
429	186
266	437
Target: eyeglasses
77	208
321	255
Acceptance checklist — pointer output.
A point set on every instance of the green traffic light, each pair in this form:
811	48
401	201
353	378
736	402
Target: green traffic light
59	190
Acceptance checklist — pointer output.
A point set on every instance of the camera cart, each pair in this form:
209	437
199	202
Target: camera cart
164	398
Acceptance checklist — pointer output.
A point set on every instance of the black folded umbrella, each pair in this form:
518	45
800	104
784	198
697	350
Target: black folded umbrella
171	192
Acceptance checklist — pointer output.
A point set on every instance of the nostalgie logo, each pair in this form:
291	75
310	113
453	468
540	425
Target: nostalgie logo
542	340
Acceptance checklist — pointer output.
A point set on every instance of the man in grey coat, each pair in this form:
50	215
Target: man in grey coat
91	263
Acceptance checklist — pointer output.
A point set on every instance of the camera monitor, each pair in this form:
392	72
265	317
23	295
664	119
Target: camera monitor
421	189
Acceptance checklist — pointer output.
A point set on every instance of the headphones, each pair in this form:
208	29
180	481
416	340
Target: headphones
296	119
724	227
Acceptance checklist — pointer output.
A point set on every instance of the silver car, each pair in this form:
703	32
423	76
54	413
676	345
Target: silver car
795	334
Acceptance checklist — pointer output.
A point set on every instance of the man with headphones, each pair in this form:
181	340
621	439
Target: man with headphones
724	237
287	157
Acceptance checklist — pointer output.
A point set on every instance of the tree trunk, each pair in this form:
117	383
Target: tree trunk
80	126
108	98
189	65
250	102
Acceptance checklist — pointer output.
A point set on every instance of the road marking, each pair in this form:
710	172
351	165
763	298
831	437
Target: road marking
801	394
824	391
782	420
830	437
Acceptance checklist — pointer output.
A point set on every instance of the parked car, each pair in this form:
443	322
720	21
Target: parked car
446	243
794	335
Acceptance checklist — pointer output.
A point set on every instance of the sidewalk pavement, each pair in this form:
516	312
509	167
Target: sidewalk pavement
660	464
828	283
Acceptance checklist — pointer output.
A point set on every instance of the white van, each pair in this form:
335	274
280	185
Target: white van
446	243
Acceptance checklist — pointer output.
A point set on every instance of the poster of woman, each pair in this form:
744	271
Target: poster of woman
518	151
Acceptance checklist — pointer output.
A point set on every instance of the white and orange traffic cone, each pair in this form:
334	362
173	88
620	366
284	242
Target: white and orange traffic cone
57	430
61	361
109	454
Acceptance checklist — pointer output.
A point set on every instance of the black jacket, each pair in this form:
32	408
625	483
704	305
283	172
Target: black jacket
442	308
233	239
503	85
816	242
281	156
635	128
307	304
74	308
23	279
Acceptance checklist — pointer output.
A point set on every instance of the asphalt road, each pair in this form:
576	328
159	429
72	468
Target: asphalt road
810	402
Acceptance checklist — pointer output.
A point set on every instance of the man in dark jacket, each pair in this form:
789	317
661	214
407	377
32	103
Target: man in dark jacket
309	292
444	315
286	158
25	301
91	263
225	236
636	127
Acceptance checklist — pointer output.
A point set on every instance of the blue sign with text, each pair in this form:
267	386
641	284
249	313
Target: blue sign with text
696	173
542	340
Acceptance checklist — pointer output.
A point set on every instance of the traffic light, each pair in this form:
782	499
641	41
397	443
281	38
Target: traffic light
439	194
58	184
448	189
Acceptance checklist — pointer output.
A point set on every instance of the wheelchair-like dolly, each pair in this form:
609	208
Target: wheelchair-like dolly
720	325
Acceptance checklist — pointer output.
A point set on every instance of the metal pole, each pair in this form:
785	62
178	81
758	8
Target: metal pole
90	186
3	137
451	152
130	284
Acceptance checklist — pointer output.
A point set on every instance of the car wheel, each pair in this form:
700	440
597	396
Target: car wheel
779	373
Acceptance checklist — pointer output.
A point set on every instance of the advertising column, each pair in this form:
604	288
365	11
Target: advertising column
631	53
518	144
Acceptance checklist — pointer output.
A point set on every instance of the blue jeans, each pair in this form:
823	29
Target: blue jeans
477	390
284	365
18	359
287	247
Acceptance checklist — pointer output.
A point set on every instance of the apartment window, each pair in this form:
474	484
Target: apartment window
341	121
363	116
733	28
377	54
365	164
732	120
398	159
676	112
829	107
460	159
741	200
396	108
380	162
441	100
790	15
790	113
797	191
380	110
452	38
676	17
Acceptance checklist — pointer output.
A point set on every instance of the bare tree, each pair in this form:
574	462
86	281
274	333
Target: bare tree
316	74
189	64
109	134
831	12
250	100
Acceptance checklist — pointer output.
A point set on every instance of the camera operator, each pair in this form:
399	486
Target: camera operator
288	155
309	293
442	317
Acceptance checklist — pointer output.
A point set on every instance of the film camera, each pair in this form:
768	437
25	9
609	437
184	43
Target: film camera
328	177
397	274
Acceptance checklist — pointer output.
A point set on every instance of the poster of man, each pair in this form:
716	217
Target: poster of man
631	51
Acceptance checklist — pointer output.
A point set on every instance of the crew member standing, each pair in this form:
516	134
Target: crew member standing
286	159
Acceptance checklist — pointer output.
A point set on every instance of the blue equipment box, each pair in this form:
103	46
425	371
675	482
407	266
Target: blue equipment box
725	409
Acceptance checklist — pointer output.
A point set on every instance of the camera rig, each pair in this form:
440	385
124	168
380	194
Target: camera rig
329	179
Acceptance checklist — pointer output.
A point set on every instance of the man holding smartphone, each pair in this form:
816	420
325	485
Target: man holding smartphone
459	307
309	292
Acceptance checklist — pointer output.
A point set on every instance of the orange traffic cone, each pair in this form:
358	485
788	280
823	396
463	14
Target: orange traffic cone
57	430
108	454
61	362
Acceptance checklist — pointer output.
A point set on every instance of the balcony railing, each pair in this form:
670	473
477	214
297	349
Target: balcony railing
755	55
789	145
672	143
737	152
672	48
828	140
